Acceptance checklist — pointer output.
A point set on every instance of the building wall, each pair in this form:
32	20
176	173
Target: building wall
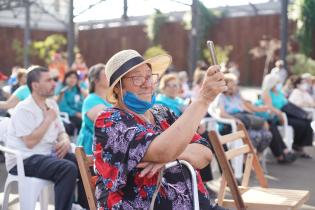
7	53
44	15
98	45
243	33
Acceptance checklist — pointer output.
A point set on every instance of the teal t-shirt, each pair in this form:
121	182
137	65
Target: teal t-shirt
175	104
86	134
278	100
22	92
71	101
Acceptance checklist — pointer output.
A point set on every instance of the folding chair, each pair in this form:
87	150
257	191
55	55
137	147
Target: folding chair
84	163
245	197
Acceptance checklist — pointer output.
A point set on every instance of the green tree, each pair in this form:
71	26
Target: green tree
306	26
154	24
301	64
47	48
154	51
222	54
44	49
206	19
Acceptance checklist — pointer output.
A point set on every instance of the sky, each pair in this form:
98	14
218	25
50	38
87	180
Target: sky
109	9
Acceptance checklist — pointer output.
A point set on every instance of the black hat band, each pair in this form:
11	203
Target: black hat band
124	68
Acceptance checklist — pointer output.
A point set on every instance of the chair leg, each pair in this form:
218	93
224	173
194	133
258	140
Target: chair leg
43	198
27	196
7	190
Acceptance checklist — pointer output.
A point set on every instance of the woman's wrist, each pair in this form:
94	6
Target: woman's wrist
203	102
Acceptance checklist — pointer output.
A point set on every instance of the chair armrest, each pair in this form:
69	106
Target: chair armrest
65	117
193	177
218	118
209	123
19	160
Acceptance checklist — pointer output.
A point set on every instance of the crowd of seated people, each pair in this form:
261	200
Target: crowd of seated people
82	95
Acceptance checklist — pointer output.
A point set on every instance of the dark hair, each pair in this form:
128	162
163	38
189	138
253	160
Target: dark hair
34	74
68	74
94	74
297	81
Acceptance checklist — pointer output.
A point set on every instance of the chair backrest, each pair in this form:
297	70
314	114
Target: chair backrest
64	116
4	123
84	163
228	177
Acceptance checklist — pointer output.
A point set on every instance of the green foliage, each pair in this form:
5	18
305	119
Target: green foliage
154	51
47	48
42	49
18	47
206	19
301	64
306	26
154	24
222	54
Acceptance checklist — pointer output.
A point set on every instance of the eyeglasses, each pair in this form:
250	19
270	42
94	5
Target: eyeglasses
140	80
172	85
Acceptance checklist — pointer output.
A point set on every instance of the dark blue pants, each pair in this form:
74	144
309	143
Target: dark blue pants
63	172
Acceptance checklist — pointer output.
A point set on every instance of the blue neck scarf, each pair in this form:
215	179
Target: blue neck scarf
137	105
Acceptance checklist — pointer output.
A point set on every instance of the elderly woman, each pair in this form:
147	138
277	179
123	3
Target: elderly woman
169	87
233	106
93	104
134	139
300	95
274	98
21	79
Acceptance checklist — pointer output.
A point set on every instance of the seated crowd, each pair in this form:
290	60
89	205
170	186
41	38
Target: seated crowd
129	117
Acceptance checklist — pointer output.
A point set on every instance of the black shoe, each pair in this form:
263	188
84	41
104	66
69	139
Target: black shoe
217	207
2	158
291	156
287	158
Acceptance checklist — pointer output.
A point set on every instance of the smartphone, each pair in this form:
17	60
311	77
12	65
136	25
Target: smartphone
213	56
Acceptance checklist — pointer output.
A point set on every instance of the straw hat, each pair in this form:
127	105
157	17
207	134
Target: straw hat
127	60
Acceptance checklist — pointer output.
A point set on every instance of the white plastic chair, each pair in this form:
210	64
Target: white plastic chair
29	188
313	125
310	110
236	162
286	132
64	116
209	123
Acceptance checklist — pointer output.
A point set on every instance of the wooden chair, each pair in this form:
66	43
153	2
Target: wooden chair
84	163
245	197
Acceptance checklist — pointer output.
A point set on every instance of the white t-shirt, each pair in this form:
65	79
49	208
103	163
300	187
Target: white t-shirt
26	117
301	98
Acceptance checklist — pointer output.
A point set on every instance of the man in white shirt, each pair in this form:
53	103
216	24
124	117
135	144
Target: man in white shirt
37	131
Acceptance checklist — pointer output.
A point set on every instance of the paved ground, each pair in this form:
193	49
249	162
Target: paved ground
299	175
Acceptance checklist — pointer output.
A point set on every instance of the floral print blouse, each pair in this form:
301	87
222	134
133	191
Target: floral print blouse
121	140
